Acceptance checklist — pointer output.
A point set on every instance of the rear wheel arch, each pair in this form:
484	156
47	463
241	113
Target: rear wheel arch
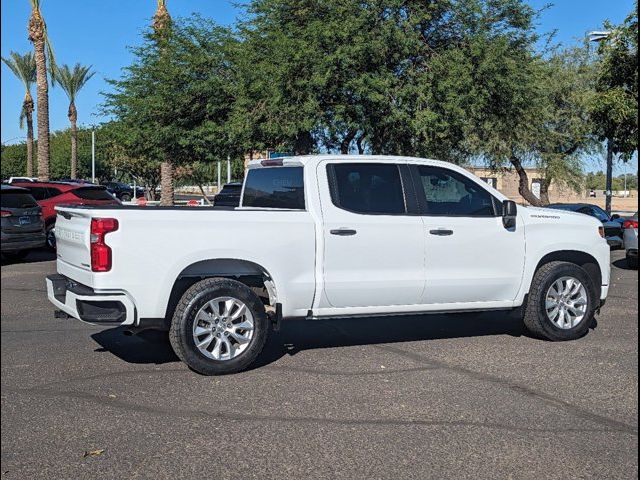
250	273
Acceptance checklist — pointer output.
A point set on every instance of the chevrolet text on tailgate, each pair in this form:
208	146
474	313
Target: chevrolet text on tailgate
327	236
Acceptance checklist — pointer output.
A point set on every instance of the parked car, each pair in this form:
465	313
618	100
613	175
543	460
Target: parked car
322	237
631	240
51	194
22	227
612	224
229	196
123	192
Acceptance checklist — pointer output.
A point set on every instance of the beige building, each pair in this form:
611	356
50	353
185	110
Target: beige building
508	183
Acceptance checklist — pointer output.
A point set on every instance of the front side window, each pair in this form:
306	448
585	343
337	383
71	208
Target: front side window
448	193
274	187
369	188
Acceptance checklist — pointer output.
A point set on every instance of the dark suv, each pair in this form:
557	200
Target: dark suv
229	196
22	224
123	191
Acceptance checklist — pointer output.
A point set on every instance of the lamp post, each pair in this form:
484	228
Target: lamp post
93	155
601	36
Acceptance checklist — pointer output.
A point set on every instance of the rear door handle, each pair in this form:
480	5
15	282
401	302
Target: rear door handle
441	232
344	232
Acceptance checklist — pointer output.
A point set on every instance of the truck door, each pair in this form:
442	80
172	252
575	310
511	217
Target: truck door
470	255
373	244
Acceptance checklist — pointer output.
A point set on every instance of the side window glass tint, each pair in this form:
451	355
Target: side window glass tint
449	193
368	188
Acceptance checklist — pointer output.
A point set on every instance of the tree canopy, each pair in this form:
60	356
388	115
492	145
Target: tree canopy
458	80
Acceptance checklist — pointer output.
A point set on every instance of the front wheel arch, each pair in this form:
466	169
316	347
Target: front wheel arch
582	259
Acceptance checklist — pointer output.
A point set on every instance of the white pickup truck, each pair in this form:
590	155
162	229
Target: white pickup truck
327	236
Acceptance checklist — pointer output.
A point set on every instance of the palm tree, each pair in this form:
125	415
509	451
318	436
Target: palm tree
161	27
24	67
37	30
72	81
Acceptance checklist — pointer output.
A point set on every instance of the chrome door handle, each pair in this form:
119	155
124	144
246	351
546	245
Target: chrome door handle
343	232
441	232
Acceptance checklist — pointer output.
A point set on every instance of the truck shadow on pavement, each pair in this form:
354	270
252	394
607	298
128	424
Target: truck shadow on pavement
622	264
299	334
34	256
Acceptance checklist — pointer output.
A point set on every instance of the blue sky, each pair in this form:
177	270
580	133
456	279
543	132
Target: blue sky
97	33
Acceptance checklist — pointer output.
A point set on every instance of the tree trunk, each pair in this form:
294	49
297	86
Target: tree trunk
30	143
544	192
360	143
609	186
204	195
166	184
523	187
346	142
73	118
36	29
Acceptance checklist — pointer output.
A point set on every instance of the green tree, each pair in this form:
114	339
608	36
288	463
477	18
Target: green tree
173	103
24	67
72	80
615	106
14	156
452	80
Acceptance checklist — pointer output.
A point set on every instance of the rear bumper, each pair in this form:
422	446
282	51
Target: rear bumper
22	241
84	303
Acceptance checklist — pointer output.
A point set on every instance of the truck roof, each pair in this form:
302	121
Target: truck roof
315	159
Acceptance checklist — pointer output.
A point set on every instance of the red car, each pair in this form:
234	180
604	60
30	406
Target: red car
50	194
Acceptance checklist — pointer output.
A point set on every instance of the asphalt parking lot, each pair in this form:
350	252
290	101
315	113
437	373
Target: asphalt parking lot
460	396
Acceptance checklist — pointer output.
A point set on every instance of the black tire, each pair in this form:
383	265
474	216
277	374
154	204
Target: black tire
50	236
15	256
632	262
535	316
181	336
125	197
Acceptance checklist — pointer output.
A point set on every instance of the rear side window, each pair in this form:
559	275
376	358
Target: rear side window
39	193
275	187
369	188
448	193
92	193
17	200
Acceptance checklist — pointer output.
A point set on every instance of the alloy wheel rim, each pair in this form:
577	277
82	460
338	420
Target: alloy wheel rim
223	328
566	302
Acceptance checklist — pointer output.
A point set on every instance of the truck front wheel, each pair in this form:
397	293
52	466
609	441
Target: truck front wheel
562	302
219	326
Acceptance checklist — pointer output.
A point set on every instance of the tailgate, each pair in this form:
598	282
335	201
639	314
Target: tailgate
72	237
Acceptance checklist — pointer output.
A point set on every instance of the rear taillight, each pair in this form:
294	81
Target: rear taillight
100	251
5	213
630	224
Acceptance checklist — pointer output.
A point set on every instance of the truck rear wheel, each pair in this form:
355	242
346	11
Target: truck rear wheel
219	326
562	302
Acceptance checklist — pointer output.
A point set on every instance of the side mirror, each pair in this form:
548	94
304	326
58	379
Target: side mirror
615	216
509	214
